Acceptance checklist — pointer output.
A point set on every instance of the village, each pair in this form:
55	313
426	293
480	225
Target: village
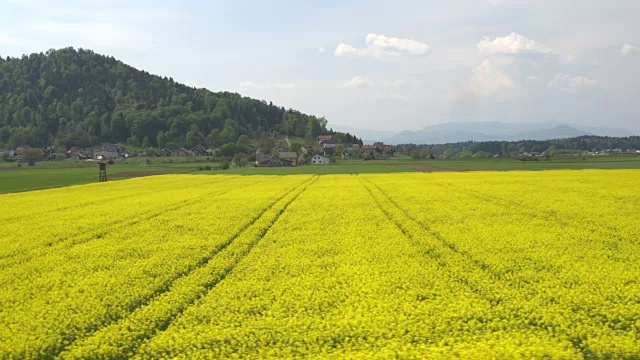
324	150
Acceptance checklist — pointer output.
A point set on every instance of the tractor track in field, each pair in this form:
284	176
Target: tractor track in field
483	290
433	252
448	244
251	245
164	323
75	239
463	254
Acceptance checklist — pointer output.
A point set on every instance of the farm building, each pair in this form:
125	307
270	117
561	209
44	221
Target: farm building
105	155
21	151
319	160
272	161
199	150
378	150
182	152
77	153
291	156
328	147
110	152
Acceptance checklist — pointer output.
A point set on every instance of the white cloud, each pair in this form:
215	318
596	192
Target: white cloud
321	50
391	44
356	82
571	83
489	78
344	49
380	45
512	44
628	49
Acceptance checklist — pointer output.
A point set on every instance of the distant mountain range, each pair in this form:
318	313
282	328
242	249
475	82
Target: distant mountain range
483	131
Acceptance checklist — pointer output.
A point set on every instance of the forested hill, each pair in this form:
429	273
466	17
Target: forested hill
74	97
581	143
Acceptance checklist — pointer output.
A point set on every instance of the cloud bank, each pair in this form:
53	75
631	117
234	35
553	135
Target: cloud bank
512	44
380	45
628	49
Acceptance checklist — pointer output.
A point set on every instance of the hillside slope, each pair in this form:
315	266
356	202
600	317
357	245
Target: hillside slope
72	97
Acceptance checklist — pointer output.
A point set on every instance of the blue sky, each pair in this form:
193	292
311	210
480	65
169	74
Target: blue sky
369	64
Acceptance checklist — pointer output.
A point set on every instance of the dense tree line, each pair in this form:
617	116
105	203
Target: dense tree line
74	97
584	143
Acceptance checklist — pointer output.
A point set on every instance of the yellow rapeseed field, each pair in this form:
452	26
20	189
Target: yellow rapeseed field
418	265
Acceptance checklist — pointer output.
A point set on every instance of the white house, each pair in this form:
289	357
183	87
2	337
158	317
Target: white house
319	160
